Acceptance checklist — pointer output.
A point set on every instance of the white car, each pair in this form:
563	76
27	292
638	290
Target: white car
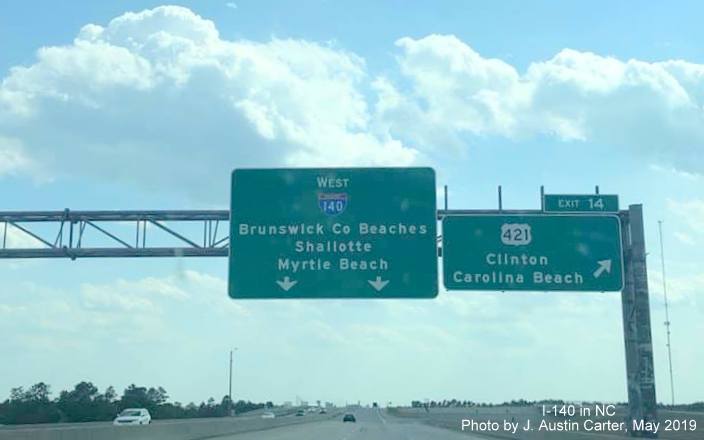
133	416
268	415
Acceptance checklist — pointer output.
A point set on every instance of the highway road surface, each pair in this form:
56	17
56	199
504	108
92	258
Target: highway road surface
372	424
178	429
250	415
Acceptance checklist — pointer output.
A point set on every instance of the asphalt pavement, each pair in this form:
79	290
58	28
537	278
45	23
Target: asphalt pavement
178	429
250	415
372	424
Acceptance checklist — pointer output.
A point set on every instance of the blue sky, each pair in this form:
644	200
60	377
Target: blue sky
102	109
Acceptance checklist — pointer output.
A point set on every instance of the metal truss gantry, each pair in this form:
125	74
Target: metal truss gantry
69	230
64	233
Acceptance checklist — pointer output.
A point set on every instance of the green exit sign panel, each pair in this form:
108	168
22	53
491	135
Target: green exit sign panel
333	233
532	252
580	203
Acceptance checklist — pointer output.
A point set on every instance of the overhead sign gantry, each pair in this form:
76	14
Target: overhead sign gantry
371	233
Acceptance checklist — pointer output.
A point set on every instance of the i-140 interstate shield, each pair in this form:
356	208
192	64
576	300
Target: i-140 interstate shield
333	233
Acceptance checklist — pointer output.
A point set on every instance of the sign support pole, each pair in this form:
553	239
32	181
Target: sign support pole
542	198
445	197
642	403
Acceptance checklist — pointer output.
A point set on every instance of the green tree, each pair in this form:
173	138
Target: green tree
157	396
106	404
30	406
80	404
135	397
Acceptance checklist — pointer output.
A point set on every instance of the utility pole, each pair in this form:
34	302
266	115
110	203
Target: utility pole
230	389
667	313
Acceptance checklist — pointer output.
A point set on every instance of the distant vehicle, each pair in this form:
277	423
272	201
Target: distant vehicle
375	405
323	411
300	413
349	418
133	416
268	415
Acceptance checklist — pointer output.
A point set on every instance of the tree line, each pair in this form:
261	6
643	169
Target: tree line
85	403
455	403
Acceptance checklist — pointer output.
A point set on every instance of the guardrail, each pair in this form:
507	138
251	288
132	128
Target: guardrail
192	429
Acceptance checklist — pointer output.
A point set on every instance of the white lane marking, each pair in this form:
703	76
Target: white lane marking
348	435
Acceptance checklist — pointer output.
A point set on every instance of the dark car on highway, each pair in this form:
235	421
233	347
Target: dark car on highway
349	418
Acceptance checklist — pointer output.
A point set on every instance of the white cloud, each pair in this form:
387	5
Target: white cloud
687	286
18	239
460	90
231	5
121	307
162	86
144	295
651	108
691	212
13	157
152	319
159	98
673	171
98	297
682	289
684	238
7	309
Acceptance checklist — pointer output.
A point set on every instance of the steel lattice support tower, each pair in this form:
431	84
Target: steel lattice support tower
642	402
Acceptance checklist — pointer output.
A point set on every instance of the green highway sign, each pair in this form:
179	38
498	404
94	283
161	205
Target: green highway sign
333	233
580	203
532	252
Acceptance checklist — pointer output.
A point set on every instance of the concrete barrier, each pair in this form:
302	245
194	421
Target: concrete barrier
192	429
